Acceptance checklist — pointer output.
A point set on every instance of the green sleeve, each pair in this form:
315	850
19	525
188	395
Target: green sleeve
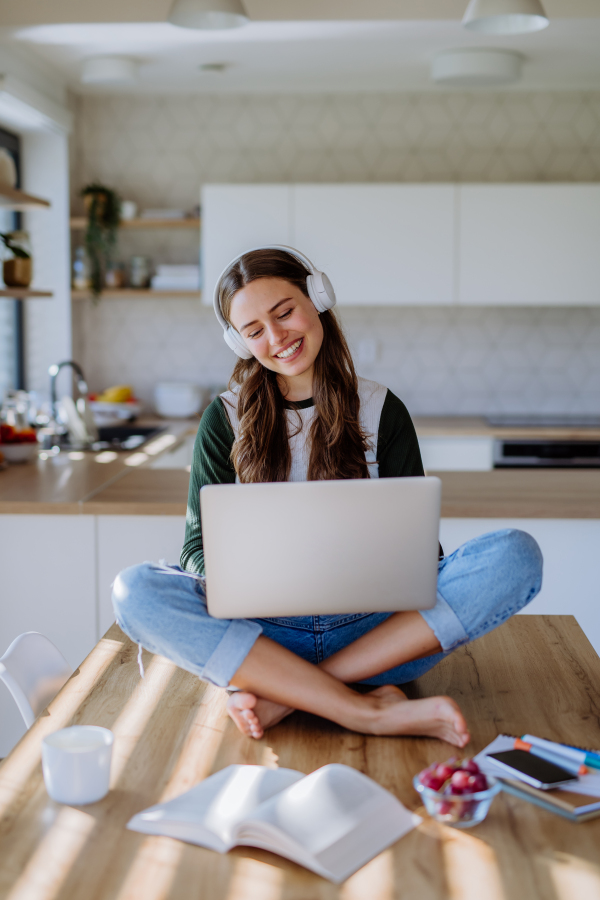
398	451
211	464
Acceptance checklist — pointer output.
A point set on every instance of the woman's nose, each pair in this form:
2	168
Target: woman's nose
276	333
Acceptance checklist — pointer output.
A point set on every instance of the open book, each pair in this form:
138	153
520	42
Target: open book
332	821
577	801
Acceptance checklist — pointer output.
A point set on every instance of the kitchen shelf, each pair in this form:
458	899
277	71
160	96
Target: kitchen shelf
136	294
79	223
23	293
13	198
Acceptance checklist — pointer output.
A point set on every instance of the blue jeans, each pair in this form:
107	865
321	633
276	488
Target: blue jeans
480	586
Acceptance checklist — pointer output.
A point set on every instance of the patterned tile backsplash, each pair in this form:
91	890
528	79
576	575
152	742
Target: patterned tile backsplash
158	151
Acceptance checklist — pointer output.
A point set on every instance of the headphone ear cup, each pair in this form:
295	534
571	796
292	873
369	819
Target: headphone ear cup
320	291
236	343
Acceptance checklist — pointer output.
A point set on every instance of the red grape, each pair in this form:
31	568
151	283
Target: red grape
460	779
477	783
430	780
470	766
445	771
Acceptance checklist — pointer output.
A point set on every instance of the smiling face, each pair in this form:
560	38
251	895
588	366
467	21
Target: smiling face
281	327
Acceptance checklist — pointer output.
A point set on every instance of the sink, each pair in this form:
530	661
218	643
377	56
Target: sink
124	437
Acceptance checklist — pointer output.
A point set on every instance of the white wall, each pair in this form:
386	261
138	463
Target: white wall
48	320
160	150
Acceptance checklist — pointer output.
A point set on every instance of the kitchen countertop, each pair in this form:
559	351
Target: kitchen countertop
60	485
477	426
63	485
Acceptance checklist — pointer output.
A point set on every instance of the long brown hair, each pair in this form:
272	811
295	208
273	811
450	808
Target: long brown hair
337	441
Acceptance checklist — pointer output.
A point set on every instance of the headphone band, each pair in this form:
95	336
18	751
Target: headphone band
295	253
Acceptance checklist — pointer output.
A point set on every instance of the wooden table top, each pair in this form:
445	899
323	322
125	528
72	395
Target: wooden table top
535	673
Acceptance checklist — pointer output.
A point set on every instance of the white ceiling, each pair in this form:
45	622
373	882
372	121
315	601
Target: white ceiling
392	51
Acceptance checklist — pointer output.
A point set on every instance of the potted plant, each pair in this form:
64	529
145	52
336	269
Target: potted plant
17	270
103	210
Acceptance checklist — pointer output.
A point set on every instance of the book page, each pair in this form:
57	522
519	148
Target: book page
208	813
333	821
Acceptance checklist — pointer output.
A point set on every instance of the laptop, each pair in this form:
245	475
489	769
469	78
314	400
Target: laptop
320	547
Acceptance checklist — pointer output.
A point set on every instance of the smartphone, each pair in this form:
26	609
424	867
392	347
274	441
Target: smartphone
532	769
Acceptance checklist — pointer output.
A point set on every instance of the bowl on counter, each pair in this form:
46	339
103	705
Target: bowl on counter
19	453
178	399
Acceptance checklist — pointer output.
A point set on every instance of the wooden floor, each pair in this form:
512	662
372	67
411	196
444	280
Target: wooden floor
535	673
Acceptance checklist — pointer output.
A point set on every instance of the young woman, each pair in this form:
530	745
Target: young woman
297	411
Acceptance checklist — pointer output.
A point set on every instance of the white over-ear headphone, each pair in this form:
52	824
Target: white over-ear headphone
318	285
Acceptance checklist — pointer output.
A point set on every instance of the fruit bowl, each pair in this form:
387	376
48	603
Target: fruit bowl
463	808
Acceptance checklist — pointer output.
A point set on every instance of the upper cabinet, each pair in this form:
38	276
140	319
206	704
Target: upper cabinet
236	217
380	244
529	245
420	244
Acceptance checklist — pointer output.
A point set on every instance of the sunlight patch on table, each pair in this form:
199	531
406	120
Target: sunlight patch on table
135	715
255	880
52	862
573	877
375	879
153	869
470	863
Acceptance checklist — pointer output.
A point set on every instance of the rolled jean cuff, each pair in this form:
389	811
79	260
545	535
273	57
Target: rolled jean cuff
445	624
231	651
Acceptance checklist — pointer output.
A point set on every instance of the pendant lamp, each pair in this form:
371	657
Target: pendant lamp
208	14
505	16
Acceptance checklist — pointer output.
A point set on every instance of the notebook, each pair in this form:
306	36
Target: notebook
332	821
578	801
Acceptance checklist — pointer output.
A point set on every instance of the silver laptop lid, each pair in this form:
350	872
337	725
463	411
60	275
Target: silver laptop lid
320	547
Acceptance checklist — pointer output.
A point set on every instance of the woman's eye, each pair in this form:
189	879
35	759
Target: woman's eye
254	334
287	313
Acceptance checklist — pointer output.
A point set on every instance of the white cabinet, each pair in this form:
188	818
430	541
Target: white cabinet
529	245
380	244
420	244
124	541
236	217
48	580
570	551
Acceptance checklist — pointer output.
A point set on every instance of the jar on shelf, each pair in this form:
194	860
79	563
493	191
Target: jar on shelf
140	272
17	266
81	270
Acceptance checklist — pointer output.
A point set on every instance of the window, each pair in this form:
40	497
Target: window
11	311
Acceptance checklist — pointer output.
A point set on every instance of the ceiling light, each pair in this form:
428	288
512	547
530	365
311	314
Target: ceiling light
208	14
505	16
476	68
109	70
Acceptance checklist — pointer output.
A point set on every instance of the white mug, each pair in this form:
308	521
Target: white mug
76	763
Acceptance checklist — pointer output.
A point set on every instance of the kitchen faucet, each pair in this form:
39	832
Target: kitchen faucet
80	422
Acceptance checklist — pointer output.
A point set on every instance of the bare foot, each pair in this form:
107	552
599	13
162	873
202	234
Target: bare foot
438	717
253	714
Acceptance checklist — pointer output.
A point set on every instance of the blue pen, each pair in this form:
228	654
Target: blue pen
584	757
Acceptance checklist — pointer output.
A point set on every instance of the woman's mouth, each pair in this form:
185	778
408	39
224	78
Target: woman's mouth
292	351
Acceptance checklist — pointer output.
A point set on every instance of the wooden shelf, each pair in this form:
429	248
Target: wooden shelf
137	294
23	293
13	198
79	223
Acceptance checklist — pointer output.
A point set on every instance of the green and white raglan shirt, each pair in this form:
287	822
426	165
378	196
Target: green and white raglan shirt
394	450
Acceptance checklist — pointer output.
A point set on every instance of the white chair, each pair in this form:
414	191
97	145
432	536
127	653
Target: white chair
34	671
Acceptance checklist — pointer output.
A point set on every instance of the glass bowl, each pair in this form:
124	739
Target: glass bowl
458	810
